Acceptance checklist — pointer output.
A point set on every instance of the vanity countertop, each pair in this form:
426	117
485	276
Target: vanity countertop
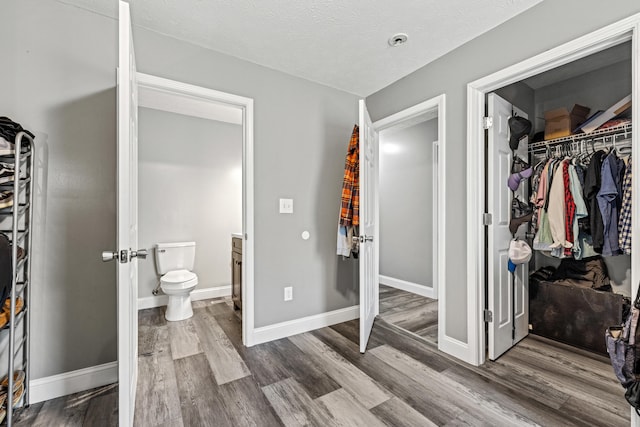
238	235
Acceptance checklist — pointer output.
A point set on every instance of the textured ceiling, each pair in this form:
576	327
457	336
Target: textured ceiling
339	43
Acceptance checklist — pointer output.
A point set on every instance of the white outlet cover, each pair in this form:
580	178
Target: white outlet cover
286	206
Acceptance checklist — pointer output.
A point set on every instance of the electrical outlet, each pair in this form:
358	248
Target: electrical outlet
288	293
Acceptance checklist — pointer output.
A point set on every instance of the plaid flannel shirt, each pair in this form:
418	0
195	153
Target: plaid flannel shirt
350	205
624	222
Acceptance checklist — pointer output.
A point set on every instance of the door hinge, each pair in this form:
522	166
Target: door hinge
487	122
488	315
487	218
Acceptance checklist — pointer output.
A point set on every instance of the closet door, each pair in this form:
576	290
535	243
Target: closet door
507	301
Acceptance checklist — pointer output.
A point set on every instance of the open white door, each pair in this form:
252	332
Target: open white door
369	268
127	239
502	334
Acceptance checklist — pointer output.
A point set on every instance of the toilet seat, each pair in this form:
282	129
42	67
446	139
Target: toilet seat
179	279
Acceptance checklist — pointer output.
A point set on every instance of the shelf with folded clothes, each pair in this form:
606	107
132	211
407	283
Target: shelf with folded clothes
8	211
23	182
17	318
17	162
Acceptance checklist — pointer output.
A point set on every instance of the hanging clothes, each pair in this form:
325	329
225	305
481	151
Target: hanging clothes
349	218
591	187
580	211
556	208
624	222
350	207
609	199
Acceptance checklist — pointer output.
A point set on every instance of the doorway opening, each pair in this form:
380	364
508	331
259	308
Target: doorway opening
598	41
411	239
230	117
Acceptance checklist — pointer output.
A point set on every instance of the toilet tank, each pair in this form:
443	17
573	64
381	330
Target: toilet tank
175	256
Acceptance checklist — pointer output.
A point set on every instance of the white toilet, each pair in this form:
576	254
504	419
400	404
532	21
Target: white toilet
175	262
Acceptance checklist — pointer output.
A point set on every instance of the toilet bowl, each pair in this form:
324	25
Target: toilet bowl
175	262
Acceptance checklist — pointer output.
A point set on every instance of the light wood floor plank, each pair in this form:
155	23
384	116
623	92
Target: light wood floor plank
152	317
61	412
511	397
348	376
346	411
184	339
225	362
156	397
396	413
294	406
153	339
314	380
401	384
103	409
573	385
472	402
200	400
264	365
247	405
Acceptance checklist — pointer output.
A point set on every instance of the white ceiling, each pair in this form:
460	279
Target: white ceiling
342	44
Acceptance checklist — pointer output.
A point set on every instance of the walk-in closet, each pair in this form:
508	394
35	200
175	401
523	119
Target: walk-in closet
578	279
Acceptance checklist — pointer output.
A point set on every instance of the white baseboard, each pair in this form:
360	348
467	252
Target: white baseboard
72	382
305	324
414	288
196	295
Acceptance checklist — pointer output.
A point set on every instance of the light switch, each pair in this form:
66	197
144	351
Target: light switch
286	206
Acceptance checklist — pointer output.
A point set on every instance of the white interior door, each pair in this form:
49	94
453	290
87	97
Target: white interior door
503	331
369	268
127	221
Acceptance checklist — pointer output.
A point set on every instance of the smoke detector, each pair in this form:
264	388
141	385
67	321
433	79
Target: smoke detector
398	39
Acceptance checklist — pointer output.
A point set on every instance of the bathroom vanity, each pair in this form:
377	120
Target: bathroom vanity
236	270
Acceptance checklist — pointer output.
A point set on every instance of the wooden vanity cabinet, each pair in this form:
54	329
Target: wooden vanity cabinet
236	272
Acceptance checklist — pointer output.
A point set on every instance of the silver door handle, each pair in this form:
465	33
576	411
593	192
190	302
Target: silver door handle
362	239
140	253
109	256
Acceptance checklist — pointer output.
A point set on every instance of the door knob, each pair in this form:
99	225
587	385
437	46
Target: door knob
362	239
109	256
140	253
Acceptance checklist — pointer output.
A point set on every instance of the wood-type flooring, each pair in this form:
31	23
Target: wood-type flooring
197	373
409	311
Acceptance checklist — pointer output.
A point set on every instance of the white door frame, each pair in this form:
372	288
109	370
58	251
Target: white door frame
611	35
210	99
437	106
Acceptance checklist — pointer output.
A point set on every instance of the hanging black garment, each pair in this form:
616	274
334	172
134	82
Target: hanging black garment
9	129
6	268
592	181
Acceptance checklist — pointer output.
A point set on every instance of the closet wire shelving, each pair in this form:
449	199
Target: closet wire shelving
618	137
20	215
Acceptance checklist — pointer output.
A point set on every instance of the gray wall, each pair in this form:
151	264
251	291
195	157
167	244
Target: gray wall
538	29
58	79
406	202
190	189
302	131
